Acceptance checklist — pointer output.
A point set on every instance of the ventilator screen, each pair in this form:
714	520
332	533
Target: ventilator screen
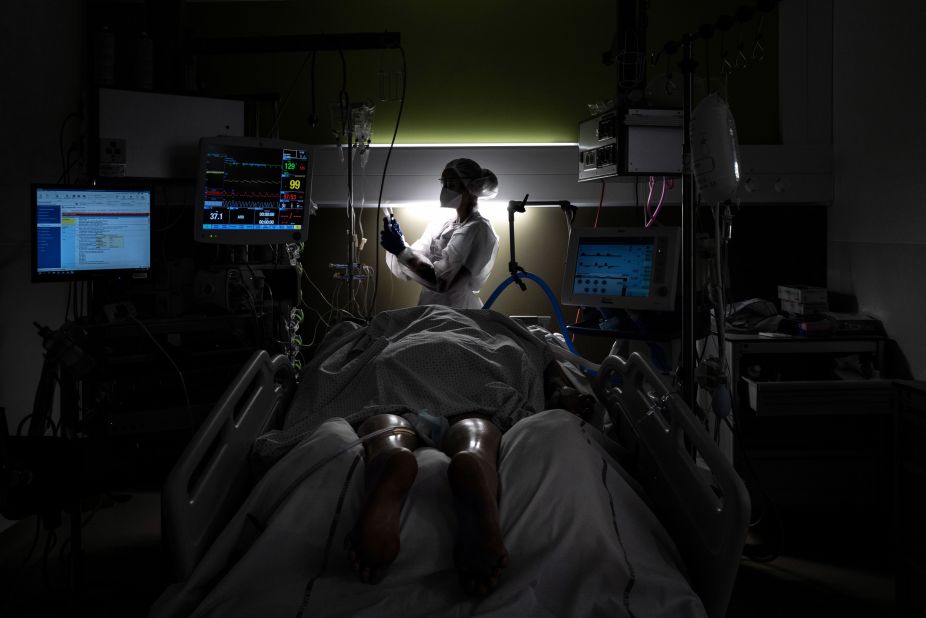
619	267
626	268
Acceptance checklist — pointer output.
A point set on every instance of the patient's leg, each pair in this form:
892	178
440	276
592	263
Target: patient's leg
472	444
391	469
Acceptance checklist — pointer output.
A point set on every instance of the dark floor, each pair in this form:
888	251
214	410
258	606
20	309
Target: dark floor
828	564
795	587
123	567
122	563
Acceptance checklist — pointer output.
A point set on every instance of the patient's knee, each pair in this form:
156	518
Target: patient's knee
474	434
403	437
381	421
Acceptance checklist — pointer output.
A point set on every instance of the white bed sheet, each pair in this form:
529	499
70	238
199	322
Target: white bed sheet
580	539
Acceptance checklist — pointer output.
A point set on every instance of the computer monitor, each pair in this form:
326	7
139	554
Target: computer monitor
82	232
251	191
622	268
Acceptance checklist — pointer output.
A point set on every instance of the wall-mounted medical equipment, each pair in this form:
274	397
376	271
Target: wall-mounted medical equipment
155	135
622	268
252	191
84	232
633	142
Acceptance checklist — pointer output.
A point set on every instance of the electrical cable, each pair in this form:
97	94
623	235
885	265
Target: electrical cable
662	196
43	401
186	394
254	278
83	524
66	174
597	214
313	114
720	308
707	59
312	283
258	334
10	598
64	124
67	304
363	201
600	204
171	224
272	308
651	183
335	298
379	202
50	541
35	541
347	128
274	128
48	421
334	309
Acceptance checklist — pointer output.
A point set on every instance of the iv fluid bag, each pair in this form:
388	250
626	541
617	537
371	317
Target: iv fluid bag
714	150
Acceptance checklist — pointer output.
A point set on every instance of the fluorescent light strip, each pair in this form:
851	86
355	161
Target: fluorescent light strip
481	145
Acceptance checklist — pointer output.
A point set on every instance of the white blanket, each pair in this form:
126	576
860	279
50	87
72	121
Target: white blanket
581	541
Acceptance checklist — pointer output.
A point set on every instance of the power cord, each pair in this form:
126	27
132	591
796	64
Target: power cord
379	203
186	394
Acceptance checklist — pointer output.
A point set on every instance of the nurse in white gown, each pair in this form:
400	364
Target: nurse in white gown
452	259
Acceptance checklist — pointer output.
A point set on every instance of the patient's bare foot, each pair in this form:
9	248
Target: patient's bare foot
374	542
480	552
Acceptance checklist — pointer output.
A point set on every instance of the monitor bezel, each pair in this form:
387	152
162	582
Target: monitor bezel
86	274
652	302
248	237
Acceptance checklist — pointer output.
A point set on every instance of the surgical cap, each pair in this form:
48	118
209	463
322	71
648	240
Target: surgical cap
479	181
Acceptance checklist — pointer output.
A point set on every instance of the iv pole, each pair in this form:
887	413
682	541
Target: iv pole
688	65
687	368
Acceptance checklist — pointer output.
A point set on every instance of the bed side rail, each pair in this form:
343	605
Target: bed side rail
212	478
693	488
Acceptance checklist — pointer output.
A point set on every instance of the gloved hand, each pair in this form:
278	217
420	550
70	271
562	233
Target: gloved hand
394	224
390	241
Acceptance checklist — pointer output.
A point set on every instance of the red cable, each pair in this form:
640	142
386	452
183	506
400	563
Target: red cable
597	214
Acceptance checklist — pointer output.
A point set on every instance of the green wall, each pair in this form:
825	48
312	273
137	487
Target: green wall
484	71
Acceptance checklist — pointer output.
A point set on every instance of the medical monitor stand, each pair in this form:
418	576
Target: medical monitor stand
518	206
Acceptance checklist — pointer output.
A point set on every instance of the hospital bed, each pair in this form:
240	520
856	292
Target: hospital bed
635	512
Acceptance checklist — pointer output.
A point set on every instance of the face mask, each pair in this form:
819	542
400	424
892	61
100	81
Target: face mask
450	198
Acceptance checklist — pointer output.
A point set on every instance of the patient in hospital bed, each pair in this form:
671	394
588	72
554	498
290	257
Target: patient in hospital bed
527	507
394	383
390	368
